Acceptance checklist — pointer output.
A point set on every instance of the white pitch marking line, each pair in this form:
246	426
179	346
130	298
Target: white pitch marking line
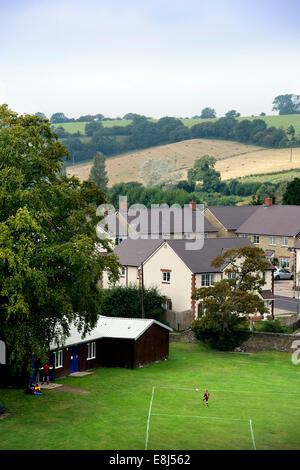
234	391
200	417
148	422
252	434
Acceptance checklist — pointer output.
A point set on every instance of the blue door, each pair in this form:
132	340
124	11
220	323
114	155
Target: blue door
74	363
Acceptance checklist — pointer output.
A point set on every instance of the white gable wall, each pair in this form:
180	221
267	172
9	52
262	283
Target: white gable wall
179	287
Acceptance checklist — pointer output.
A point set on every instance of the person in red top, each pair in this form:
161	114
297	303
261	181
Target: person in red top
45	370
206	397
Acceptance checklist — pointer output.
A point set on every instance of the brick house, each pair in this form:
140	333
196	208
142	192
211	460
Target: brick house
275	229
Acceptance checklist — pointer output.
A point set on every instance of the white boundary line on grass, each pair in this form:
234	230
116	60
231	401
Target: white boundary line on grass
200	417
234	391
189	416
149	415
252	434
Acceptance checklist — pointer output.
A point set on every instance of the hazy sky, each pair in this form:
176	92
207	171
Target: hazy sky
158	58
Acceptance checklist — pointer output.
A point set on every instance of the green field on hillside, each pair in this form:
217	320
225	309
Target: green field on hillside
274	178
276	121
254	404
73	127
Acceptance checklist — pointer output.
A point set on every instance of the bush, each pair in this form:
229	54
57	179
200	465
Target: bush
273	326
225	340
127	302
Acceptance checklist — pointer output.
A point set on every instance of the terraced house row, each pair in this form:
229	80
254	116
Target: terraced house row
274	228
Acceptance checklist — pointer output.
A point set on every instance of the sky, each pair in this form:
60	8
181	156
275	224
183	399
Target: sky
152	57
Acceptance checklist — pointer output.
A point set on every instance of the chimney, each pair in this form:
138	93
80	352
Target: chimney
123	206
193	205
268	202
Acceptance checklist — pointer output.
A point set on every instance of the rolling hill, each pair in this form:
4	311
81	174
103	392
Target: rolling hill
233	160
283	121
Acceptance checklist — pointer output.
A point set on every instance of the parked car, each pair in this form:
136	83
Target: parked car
282	273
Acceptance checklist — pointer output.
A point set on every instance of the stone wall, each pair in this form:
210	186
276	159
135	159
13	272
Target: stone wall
258	341
183	337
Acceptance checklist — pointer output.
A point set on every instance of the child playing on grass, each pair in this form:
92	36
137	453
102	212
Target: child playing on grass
206	397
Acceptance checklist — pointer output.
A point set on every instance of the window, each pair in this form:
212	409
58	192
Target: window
58	356
91	350
123	271
137	273
118	241
256	239
272	240
284	241
264	275
204	235
231	275
168	304
207	280
244	235
284	262
166	276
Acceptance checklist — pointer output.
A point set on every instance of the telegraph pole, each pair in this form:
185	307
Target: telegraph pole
142	276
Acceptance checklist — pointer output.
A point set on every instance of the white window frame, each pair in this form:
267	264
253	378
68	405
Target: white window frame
166	276
91	347
58	357
283	239
257	238
123	271
272	241
118	240
231	275
207	279
282	262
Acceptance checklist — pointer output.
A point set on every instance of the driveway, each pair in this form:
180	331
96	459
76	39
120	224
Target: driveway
284	288
284	300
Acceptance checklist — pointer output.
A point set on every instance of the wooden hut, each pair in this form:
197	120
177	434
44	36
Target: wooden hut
114	342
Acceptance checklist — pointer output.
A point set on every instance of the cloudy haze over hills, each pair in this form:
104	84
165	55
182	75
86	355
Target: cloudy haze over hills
155	57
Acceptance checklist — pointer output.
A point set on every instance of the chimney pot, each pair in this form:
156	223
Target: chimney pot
193	205
268	201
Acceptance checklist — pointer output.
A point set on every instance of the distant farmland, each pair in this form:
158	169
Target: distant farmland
276	121
125	168
234	160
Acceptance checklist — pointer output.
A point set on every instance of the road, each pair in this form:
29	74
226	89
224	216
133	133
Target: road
287	303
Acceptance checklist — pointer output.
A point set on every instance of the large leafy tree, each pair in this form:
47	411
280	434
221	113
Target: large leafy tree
226	304
208	113
287	104
204	171
49	252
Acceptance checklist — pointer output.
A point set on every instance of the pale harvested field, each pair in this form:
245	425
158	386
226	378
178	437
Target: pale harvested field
266	161
125	168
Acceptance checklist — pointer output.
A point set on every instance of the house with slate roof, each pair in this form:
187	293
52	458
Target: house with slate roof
274	228
227	219
159	223
177	271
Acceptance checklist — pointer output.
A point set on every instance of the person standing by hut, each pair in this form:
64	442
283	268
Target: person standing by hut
45	370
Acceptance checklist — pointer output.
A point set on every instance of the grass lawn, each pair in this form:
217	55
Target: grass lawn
254	404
